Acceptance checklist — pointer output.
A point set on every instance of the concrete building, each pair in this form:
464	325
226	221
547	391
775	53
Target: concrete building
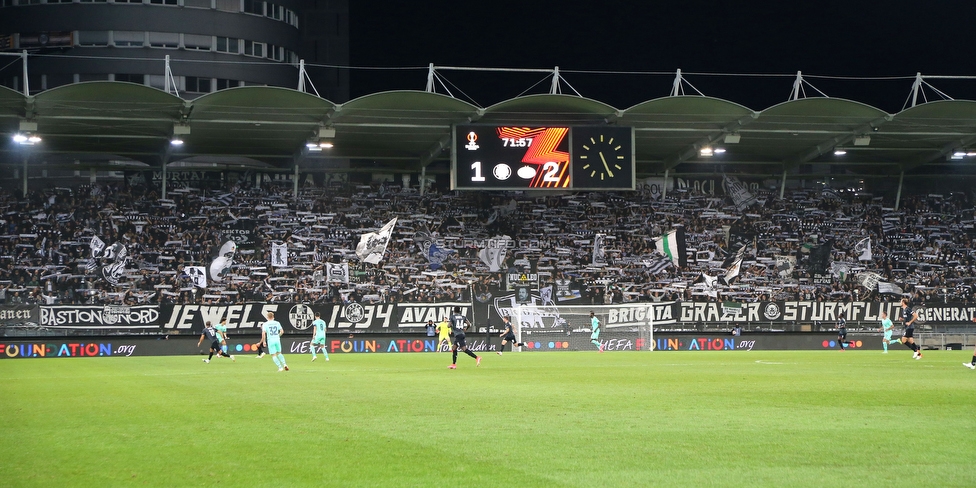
212	44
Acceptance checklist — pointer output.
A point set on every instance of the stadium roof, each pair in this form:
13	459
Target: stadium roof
402	131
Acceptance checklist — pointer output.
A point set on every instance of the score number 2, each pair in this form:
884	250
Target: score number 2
551	169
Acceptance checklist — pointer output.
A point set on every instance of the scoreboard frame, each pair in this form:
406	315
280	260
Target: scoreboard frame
545	158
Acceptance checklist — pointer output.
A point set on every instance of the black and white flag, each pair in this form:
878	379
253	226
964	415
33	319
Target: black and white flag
197	275
113	271
868	279
337	272
785	265
223	259
863	249
732	271
599	253
742	198
656	263
889	288
545	295
279	254
494	254
372	245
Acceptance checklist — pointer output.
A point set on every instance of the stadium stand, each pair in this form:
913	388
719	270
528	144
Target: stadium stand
924	249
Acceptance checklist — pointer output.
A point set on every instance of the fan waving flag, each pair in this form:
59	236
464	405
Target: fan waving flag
338	272
372	245
672	245
223	259
732	272
279	254
599	257
863	249
197	275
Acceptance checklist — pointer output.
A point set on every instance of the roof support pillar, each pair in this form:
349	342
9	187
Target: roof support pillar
901	180
164	178
26	157
664	187
916	86
782	186
797	88
676	88
294	181
23	56
423	180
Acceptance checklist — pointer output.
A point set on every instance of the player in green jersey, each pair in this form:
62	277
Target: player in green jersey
595	334
222	336
887	327
318	337
271	335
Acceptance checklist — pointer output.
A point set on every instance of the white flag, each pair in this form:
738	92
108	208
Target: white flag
785	265
545	294
889	288
197	275
868	279
96	245
279	255
222	261
709	281
863	247
494	254
372	245
599	254
733	271
337	272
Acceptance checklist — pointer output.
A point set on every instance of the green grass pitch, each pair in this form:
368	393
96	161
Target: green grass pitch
819	418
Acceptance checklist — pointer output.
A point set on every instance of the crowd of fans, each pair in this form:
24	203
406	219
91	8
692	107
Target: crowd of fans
924	248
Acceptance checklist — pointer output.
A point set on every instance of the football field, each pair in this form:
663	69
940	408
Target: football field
567	419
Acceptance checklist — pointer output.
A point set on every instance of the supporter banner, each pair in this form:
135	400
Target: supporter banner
391	318
99	316
410	317
18	315
242	231
248	316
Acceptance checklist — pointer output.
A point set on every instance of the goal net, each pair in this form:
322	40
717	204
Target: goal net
570	326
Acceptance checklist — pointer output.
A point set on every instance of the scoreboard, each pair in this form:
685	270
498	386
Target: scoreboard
501	157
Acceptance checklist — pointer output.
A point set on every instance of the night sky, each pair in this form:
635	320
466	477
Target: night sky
832	38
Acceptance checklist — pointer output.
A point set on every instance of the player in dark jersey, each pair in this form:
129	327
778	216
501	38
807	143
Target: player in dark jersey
459	324
842	334
210	334
908	337
508	335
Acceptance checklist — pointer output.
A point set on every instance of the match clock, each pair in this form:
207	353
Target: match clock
603	158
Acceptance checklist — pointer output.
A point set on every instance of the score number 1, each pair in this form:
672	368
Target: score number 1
476	166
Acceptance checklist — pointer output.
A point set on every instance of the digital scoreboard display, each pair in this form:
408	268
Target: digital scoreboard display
501	157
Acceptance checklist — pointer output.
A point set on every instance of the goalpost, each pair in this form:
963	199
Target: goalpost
571	324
